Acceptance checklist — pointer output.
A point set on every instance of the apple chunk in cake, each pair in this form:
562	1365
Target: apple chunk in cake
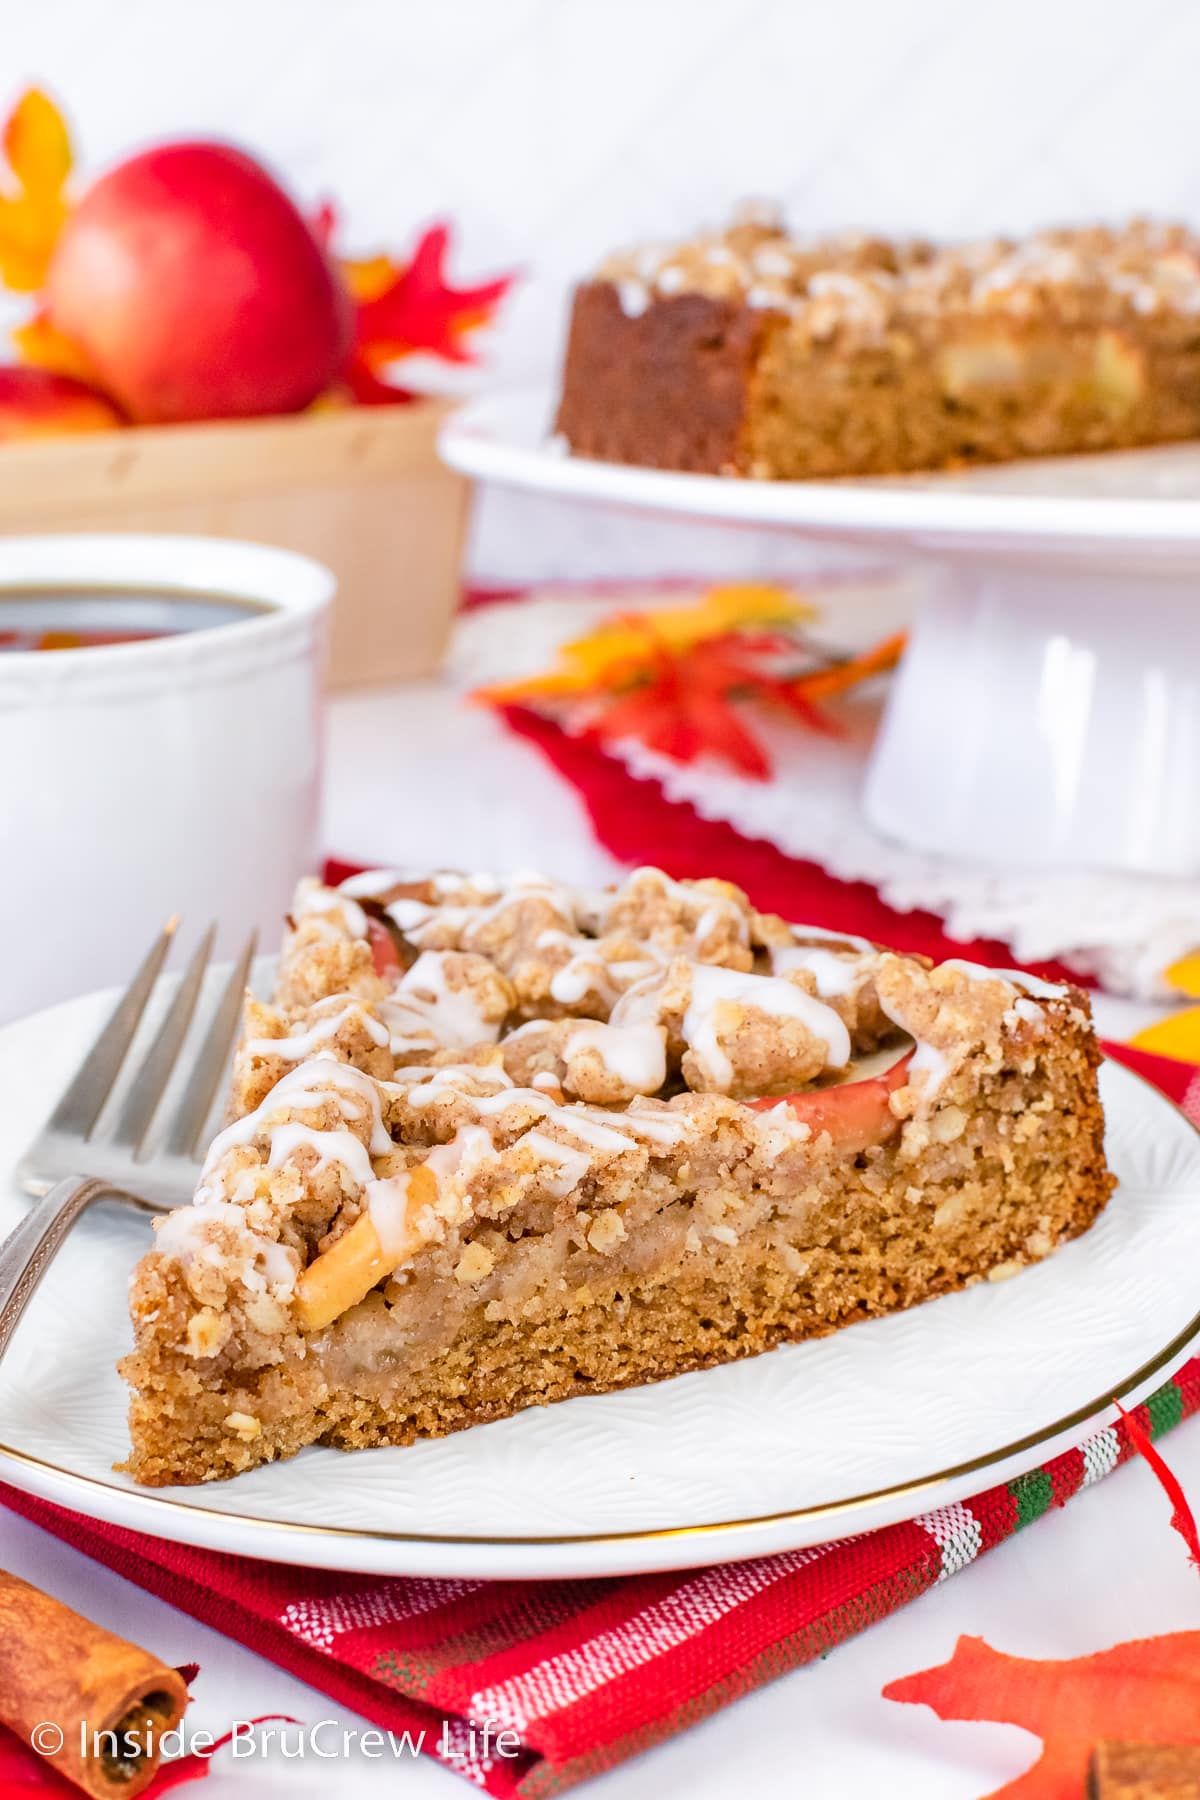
499	1142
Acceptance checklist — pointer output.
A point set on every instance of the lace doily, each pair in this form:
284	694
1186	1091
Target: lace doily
1121	929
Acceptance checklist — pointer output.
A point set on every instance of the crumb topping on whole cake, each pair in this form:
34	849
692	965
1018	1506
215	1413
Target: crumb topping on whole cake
867	285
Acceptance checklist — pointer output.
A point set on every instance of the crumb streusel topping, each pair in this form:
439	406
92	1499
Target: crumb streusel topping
867	286
441	1052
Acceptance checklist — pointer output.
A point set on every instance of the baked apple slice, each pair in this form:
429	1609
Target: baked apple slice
856	1114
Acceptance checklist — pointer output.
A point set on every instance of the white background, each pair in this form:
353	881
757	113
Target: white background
554	130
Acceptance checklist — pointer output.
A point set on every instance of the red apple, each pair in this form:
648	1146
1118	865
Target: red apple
38	403
384	953
856	1114
196	290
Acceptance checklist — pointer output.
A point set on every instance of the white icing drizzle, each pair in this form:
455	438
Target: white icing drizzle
708	909
371	882
851	941
766	993
418	1075
635	1054
586	1125
185	1235
387	1204
312	897
836	974
340	1147
468	1149
314	1083
425	1012
302	1044
584	974
1032	984
929	1068
408	915
450	881
588	971
591	1125
634	297
592	909
572	1165
660	1127
401	1228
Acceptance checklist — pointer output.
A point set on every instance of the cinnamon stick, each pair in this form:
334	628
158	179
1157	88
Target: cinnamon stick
1123	1771
110	1701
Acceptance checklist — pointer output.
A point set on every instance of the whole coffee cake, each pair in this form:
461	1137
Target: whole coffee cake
498	1142
752	352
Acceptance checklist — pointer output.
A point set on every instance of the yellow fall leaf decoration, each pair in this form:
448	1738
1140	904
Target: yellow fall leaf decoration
368	276
42	345
1184	975
33	203
1177	1036
619	646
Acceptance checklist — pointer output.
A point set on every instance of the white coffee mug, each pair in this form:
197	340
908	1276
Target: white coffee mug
175	774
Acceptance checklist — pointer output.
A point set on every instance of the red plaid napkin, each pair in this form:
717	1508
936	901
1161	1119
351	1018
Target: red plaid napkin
588	1673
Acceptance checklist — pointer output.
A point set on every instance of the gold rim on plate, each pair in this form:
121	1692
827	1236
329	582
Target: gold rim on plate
830	1509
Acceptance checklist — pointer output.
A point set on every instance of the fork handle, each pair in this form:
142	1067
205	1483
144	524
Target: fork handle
28	1251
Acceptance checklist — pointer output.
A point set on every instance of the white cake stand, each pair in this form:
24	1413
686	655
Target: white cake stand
1048	708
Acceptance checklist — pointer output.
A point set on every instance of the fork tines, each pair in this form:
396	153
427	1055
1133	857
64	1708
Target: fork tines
79	1111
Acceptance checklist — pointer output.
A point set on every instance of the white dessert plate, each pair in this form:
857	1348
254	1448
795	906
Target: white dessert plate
878	1423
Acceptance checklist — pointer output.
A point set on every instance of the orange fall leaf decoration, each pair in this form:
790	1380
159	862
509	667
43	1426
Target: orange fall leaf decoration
823	684
1147	1690
672	678
33	204
43	346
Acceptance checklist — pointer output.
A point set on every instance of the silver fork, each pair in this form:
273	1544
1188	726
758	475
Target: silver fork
79	1157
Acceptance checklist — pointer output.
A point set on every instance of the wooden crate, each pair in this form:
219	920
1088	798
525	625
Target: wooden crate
360	489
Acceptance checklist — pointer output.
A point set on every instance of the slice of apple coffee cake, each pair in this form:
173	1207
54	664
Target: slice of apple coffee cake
500	1142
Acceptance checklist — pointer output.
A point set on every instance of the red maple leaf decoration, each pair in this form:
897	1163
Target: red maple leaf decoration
1146	1691
684	706
410	307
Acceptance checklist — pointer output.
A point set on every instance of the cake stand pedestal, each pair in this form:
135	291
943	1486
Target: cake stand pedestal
1047	711
1047	714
